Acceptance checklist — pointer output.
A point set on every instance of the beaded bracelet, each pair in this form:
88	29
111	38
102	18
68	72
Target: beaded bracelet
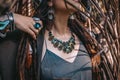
11	19
4	24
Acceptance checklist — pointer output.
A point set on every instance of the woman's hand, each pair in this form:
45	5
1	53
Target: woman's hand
26	24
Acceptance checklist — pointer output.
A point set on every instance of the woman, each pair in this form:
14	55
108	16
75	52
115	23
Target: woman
58	55
60	60
64	49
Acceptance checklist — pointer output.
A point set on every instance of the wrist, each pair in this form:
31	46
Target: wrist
10	17
11	20
16	18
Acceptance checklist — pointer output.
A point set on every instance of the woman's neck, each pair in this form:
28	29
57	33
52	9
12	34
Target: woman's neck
61	19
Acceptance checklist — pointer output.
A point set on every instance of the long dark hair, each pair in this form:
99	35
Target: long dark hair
101	70
75	26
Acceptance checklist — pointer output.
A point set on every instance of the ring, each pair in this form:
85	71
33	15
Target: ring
37	25
36	19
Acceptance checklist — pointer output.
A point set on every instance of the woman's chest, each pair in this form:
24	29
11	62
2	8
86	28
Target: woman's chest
54	66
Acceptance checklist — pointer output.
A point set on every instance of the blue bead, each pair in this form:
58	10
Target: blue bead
4	24
37	25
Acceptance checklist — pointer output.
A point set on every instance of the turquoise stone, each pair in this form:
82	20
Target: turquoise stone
37	25
54	41
4	24
56	44
68	50
51	38
60	47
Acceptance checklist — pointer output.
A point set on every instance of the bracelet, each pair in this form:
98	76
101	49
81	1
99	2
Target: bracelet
7	20
10	17
4	24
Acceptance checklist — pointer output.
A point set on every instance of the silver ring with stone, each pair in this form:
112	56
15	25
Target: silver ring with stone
37	25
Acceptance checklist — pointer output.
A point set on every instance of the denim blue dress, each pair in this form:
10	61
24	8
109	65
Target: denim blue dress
54	67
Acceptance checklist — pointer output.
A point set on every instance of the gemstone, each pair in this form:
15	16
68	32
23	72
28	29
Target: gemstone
51	38
4	24
60	47
54	41
37	25
56	44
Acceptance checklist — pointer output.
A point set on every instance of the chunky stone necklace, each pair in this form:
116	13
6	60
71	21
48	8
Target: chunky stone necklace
65	46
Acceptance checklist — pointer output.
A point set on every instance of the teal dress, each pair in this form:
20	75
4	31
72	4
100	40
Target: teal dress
54	67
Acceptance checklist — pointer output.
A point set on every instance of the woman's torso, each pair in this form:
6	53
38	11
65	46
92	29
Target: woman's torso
54	67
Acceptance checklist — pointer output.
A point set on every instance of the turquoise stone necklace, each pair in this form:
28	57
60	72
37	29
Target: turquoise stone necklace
65	46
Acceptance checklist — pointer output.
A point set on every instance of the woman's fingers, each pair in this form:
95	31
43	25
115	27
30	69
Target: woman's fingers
26	28
37	28
36	31
31	32
27	24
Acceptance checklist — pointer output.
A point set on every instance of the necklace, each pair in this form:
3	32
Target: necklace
65	46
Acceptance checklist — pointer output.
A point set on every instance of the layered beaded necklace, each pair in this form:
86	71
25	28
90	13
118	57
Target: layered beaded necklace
65	46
